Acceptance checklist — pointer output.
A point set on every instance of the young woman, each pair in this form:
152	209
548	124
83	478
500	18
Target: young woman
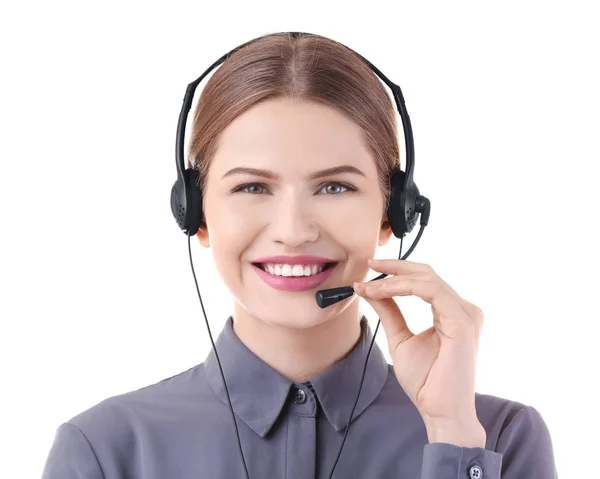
270	121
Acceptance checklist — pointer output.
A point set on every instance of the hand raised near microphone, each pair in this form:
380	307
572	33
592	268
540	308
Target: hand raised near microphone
437	367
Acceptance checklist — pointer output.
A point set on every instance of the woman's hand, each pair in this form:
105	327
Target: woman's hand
437	367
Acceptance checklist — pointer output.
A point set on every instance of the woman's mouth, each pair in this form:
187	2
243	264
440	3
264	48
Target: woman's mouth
296	278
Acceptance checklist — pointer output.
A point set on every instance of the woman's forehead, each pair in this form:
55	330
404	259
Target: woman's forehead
281	125
272	137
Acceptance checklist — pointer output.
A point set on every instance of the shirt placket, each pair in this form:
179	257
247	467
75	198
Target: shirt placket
301	434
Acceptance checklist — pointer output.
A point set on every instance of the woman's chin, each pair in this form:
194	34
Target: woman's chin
284	319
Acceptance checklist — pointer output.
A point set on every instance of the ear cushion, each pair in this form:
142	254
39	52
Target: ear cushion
396	213
194	210
187	209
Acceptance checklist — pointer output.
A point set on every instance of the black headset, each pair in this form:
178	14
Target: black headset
404	205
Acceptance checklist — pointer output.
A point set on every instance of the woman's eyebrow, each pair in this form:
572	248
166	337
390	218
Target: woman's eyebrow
271	175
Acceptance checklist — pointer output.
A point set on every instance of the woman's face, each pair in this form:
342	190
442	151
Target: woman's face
292	215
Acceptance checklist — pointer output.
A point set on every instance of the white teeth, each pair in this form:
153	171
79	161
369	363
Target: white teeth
293	270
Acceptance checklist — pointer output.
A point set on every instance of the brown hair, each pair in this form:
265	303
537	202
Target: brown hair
308	67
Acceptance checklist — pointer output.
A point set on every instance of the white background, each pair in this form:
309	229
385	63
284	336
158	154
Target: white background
97	293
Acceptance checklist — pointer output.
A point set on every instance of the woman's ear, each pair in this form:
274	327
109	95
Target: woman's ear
203	235
385	232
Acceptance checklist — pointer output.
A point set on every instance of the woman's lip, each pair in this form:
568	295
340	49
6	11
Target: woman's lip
330	263
302	259
294	283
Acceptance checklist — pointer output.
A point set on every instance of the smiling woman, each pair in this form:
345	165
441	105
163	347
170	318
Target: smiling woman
294	140
320	193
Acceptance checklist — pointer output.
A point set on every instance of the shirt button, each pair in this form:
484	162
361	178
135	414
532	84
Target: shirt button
475	472
300	396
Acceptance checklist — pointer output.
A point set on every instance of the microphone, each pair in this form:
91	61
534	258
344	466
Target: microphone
327	297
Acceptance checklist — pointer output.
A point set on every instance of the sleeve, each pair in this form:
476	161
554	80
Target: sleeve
524	449
71	456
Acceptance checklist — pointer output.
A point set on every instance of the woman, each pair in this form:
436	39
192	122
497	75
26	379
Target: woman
275	113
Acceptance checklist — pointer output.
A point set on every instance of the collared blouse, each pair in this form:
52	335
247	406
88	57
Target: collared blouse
182	428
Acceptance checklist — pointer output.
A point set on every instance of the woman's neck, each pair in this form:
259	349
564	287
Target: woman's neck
299	353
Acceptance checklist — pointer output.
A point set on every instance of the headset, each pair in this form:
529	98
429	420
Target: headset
404	205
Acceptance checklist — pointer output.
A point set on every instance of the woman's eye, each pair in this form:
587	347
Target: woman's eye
336	185
246	187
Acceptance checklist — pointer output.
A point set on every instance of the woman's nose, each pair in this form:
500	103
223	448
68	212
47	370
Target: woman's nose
293	222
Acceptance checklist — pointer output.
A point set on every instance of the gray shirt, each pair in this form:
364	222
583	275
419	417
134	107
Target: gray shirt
182	428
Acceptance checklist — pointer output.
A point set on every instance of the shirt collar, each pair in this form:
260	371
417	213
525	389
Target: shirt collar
258	392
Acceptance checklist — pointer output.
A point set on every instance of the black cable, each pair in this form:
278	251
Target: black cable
237	433
367	361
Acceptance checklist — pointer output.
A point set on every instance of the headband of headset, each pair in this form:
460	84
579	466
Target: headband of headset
184	203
